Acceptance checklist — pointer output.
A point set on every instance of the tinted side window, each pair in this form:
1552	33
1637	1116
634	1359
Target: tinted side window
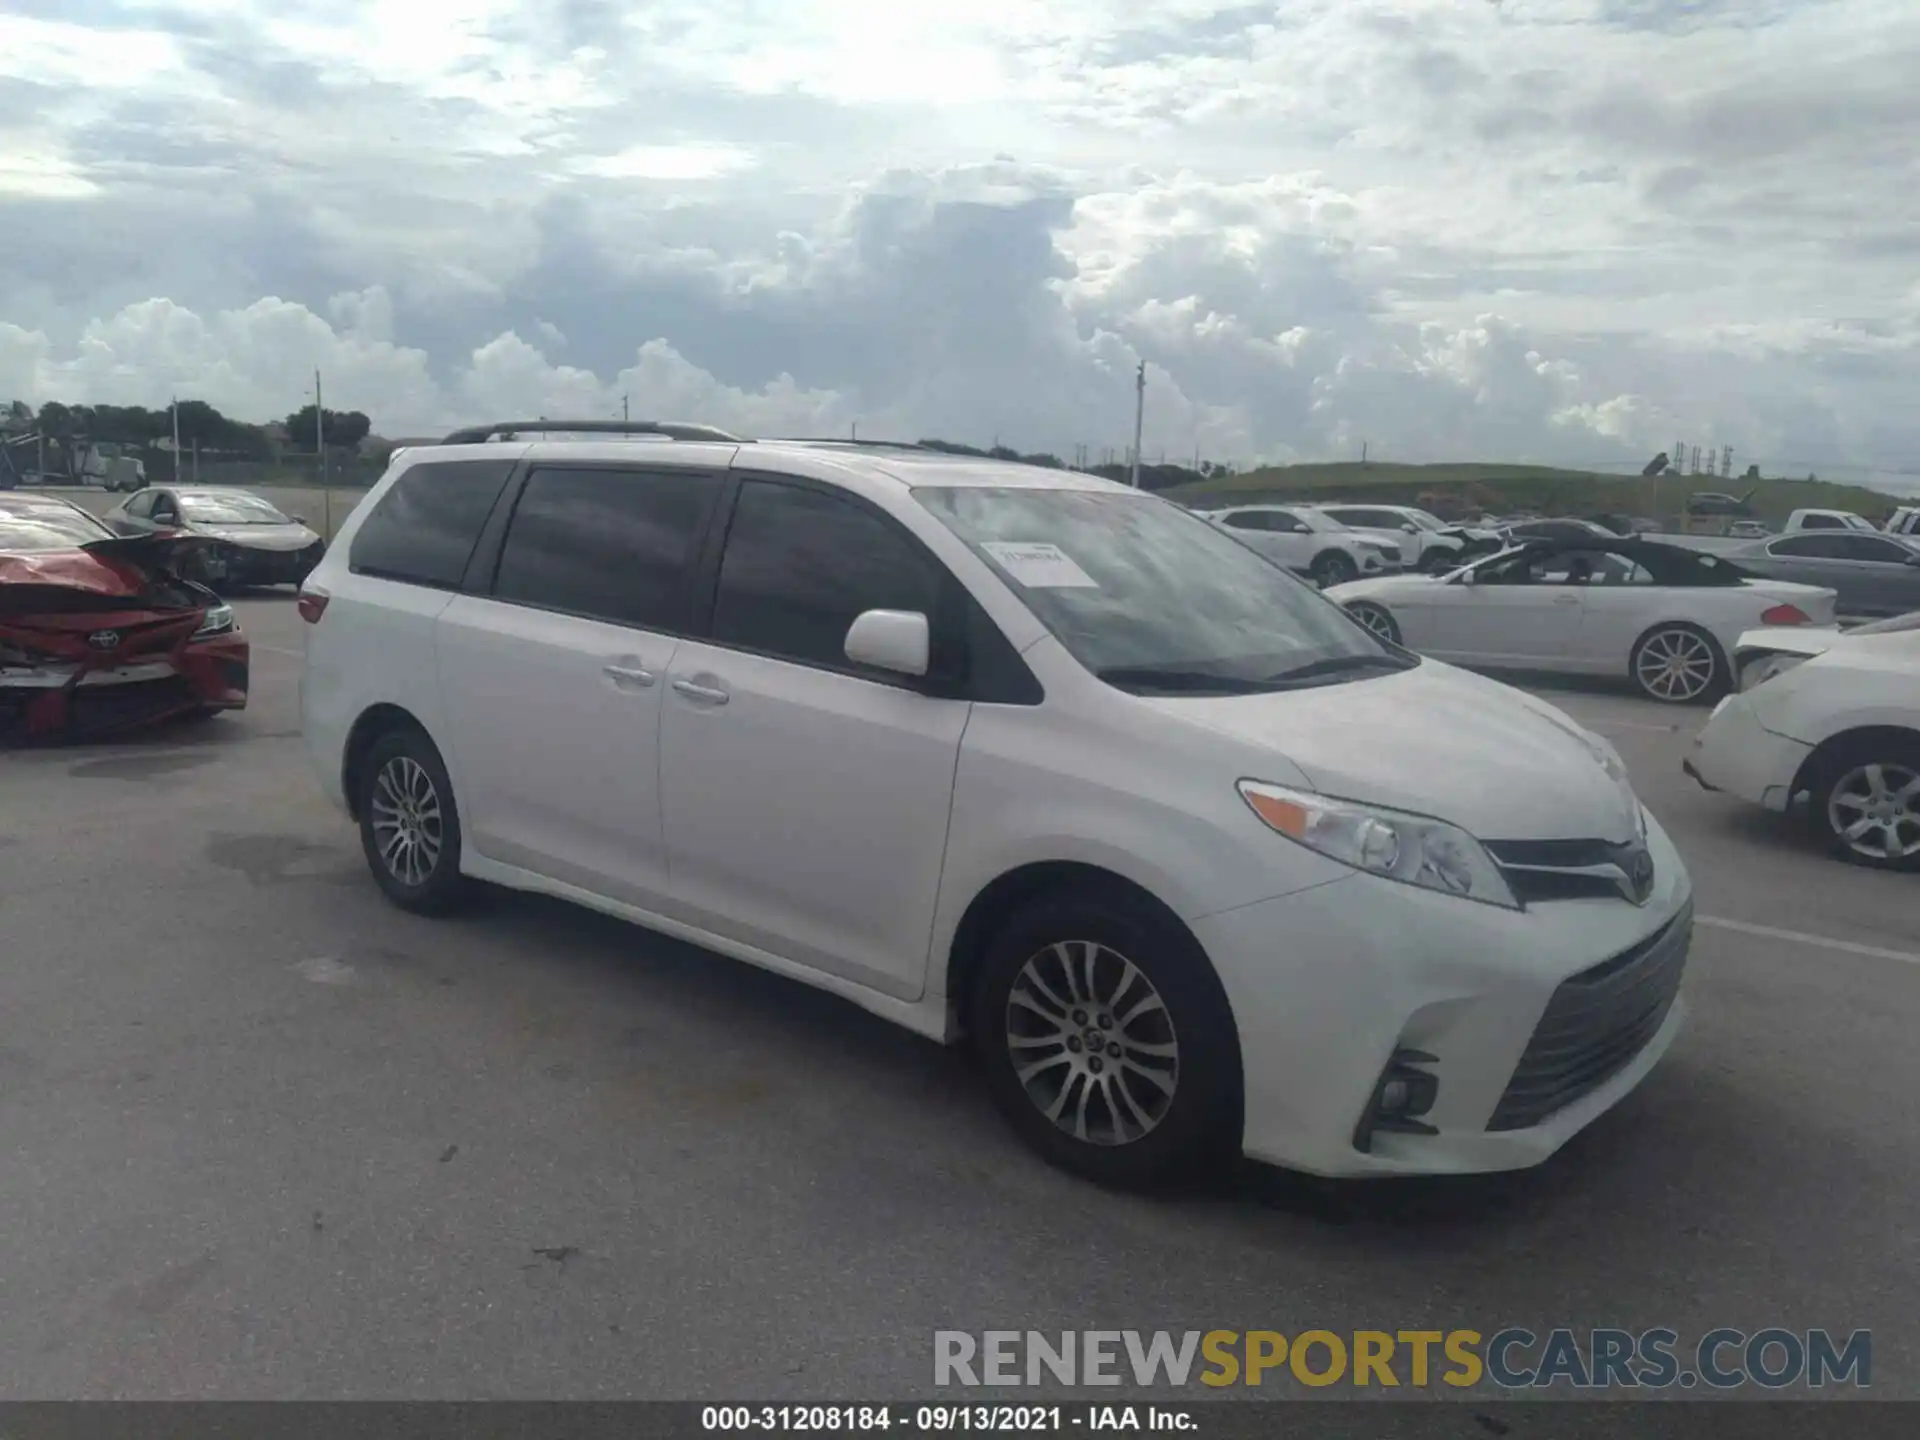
1249	520
141	505
1286	524
424	528
609	544
1822	522
1825	547
800	565
1868	547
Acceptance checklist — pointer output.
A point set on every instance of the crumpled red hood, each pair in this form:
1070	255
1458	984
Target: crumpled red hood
73	570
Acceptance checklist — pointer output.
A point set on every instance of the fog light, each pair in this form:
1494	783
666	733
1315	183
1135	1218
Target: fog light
1404	1092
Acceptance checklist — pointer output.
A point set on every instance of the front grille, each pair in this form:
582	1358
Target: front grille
1392	553
1594	1025
94	709
1539	870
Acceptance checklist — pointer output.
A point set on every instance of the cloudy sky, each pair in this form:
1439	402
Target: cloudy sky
1570	230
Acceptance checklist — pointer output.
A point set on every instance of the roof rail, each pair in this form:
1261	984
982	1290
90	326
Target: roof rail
844	440
513	429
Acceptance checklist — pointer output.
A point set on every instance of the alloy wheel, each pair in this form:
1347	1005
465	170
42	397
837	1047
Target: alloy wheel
1092	1043
1875	811
1373	618
1675	665
407	823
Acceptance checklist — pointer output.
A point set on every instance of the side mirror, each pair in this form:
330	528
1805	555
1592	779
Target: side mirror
896	640
298	519
1466	577
1409	528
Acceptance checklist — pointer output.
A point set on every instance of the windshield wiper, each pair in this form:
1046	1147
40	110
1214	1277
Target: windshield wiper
1340	665
1178	681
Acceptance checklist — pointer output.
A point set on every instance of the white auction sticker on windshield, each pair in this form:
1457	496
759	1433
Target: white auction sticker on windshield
1039	565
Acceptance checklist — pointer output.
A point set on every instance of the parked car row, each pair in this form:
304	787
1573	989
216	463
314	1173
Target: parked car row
1013	756
250	541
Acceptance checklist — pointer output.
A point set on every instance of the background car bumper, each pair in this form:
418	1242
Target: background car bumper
1327	984
1734	753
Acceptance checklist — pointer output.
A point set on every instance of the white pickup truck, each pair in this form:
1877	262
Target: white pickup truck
1826	520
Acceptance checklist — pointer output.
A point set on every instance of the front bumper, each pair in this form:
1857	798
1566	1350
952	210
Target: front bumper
1327	984
84	702
1734	753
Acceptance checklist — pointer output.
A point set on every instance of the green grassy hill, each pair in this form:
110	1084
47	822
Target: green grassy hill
1471	489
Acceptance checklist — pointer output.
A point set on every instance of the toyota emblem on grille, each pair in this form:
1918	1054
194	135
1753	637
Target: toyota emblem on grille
1638	870
104	639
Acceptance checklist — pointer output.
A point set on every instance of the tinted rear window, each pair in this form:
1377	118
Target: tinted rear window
425	527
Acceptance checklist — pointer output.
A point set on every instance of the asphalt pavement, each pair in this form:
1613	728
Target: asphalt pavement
266	1137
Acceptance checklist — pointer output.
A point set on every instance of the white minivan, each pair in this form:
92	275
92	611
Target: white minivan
1196	862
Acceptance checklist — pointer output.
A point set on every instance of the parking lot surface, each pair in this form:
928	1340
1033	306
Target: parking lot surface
265	1136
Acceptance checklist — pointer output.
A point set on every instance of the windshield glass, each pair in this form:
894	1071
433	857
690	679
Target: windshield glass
230	510
1153	599
47	527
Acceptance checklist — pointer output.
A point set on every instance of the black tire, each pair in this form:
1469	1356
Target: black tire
1683	684
403	762
1377	619
1191	1129
1838	776
1331	568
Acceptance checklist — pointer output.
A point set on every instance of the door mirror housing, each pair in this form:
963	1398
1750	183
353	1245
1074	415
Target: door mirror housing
298	519
900	641
1465	577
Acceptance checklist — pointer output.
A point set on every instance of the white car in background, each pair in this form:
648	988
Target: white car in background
1833	717
1313	544
1665	617
1425	539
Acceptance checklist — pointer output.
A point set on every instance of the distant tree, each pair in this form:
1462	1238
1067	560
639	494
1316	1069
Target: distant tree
19	415
56	420
339	427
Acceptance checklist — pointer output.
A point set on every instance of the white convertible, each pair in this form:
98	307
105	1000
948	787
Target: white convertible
1664	616
1834	717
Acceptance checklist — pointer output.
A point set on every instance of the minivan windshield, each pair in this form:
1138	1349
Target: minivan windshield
1155	600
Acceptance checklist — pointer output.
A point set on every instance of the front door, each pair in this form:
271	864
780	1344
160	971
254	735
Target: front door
551	686
806	801
1526	611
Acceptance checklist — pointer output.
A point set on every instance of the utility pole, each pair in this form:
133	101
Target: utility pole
624	416
319	429
853	431
1139	418
1363	452
176	440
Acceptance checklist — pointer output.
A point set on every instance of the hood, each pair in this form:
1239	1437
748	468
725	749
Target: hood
260	537
1435	741
1382	588
120	568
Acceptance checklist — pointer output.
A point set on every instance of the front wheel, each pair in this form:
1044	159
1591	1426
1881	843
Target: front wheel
1107	1040
1678	665
1376	619
1332	569
410	825
1866	804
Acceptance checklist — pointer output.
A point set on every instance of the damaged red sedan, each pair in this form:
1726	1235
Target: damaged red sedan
100	633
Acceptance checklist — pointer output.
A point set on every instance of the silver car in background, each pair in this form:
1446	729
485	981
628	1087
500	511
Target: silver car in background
1873	575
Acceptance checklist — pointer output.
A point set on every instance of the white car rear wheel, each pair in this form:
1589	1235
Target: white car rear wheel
1376	619
1677	664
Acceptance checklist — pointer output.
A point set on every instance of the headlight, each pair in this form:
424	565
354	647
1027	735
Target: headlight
1413	849
219	620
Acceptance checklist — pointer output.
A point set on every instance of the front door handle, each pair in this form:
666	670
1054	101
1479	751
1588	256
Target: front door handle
629	675
1566	599
701	694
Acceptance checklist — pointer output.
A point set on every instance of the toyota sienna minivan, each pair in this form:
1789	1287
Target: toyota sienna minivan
1013	755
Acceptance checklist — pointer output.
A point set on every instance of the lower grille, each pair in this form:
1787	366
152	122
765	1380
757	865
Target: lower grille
1594	1026
93	709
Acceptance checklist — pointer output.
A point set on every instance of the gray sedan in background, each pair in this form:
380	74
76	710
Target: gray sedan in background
1873	575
